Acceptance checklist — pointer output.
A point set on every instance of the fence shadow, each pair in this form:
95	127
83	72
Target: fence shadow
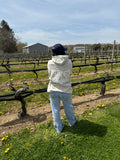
35	119
85	127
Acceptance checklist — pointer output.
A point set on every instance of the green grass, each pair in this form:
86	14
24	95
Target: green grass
42	98
94	137
24	76
88	88
36	99
89	69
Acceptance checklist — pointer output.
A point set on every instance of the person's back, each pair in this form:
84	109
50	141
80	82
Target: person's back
60	69
59	87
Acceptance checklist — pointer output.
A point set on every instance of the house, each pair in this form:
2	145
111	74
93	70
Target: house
79	49
36	49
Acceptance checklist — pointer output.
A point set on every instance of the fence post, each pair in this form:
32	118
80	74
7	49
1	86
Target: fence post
117	49
85	54
103	86
113	52
22	113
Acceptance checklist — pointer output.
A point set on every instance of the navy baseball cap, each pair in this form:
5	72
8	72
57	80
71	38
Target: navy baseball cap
58	49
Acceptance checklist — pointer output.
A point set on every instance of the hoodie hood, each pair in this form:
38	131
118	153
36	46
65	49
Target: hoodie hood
60	59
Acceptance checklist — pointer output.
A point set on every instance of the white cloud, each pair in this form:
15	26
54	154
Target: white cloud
64	21
106	35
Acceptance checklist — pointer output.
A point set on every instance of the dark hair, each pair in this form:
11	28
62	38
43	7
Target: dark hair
58	49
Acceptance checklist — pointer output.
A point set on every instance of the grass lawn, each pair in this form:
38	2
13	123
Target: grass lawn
95	136
43	98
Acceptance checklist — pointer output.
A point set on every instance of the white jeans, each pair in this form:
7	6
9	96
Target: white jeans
66	98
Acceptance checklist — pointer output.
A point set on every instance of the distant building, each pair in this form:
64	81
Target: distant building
79	49
36	49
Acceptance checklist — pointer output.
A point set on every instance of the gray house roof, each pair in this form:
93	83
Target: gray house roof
34	44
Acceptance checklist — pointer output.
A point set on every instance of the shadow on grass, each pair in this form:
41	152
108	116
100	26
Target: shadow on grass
35	119
85	127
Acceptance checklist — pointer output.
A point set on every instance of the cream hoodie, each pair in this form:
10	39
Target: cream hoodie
59	69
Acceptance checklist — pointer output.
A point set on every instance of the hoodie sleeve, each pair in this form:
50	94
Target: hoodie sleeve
48	67
70	66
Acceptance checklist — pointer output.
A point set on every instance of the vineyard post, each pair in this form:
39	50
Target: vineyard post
117	49
113	51
85	54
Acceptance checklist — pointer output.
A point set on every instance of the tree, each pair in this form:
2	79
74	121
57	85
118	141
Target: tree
7	38
107	47
96	47
20	46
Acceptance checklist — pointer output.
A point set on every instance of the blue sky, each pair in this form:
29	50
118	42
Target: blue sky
64	21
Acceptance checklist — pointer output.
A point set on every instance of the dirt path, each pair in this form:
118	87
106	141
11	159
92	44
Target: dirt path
9	123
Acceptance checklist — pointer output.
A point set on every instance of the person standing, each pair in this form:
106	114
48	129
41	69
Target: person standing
59	87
